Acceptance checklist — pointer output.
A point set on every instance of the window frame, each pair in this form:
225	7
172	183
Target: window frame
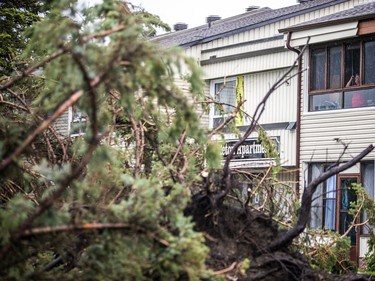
343	90
77	127
213	94
325	196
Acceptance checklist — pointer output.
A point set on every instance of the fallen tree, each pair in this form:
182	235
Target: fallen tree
141	194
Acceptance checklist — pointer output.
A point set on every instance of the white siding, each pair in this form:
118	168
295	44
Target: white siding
249	65
281	106
62	124
243	48
324	34
184	86
320	129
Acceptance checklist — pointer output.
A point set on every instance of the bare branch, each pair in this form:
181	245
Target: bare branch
256	117
44	125
286	238
72	227
33	68
228	120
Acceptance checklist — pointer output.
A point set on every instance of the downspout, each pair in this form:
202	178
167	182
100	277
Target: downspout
299	104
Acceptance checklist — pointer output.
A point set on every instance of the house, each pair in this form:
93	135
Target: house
71	123
337	104
241	57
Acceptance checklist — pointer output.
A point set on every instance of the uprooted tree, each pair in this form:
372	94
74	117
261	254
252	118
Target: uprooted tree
113	203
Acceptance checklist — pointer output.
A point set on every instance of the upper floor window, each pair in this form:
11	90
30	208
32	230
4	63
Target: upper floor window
342	75
224	95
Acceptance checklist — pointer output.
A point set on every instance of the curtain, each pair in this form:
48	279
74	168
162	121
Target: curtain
330	203
316	215
368	183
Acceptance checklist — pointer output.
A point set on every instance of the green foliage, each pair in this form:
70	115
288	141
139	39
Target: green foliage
15	17
108	204
368	205
329	251
271	150
213	155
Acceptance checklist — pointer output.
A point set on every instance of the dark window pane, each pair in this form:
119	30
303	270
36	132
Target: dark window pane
352	64
347	193
318	69
335	67
217	121
345	222
326	101
359	98
369	62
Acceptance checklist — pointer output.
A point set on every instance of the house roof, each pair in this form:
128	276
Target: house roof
239	23
359	12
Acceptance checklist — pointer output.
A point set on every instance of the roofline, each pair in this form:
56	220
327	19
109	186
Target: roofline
326	23
246	28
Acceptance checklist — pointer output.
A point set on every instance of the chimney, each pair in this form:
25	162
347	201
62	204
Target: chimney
212	18
180	26
302	1
252	8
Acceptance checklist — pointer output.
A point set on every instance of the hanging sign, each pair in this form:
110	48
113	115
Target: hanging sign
250	149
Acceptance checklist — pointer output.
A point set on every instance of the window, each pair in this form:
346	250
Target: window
78	122
331	201
342	75
226	93
323	208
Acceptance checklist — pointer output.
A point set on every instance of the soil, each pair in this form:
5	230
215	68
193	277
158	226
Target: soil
234	233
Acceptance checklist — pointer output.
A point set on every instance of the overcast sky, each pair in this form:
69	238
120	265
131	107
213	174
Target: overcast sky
194	12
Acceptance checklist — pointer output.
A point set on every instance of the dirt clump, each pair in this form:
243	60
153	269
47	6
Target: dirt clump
237	236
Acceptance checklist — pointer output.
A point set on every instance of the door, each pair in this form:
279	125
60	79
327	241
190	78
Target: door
344	220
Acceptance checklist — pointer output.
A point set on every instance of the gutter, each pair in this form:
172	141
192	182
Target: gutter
299	104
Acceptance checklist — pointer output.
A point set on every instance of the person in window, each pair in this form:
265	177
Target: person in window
357	97
353	81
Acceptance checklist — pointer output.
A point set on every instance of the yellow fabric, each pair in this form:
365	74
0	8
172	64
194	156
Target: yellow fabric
240	98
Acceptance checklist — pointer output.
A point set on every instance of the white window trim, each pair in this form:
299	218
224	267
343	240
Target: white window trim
212	94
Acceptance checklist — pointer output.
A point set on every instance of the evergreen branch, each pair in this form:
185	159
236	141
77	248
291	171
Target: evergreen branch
12	104
33	68
63	183
139	148
88	227
72	227
103	33
63	50
73	98
91	91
